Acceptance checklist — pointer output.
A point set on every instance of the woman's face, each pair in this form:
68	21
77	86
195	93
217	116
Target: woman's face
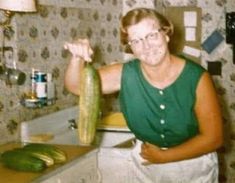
148	42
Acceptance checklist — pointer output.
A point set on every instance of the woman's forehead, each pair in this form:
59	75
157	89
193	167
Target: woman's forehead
149	22
144	24
142	28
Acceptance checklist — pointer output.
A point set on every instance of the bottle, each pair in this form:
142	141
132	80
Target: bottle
41	91
50	90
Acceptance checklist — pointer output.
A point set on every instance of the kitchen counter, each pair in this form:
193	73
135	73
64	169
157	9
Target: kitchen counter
74	153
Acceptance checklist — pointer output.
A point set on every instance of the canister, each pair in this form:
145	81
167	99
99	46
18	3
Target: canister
41	81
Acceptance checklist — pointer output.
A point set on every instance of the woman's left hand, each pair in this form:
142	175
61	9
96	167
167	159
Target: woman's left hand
152	153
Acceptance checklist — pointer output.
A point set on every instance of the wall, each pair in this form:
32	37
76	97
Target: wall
38	40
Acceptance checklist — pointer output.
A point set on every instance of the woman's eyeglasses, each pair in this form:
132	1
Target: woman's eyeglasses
152	36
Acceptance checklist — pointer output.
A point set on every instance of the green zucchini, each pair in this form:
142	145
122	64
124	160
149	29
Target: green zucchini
57	154
89	104
22	162
37	154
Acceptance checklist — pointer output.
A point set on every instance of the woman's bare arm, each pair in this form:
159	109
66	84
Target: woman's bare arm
210	135
72	75
111	78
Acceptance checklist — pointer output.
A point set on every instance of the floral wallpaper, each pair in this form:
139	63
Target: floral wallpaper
37	40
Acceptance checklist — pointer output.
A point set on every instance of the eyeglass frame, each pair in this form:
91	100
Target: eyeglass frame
147	37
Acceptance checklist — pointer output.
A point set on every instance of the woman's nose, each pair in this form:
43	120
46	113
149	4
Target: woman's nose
145	43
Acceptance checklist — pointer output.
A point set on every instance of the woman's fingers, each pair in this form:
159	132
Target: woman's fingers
80	49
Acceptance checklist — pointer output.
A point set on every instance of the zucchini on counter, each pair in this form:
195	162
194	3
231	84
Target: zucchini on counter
33	157
18	160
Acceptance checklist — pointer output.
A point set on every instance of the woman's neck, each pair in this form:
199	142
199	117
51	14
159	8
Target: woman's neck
163	74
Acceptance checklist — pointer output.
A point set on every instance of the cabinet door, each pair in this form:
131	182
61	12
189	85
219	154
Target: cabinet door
82	171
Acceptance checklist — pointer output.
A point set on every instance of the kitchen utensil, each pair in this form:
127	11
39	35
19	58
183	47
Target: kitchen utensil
15	76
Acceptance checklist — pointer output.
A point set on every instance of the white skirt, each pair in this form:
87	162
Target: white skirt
203	169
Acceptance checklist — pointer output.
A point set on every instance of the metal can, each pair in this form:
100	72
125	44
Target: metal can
40	80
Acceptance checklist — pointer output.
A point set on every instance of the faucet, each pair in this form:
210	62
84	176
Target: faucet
72	124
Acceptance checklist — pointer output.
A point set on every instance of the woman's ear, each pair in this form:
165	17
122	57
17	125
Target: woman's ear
167	38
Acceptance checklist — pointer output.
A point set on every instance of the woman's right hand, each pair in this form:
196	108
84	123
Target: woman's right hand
80	49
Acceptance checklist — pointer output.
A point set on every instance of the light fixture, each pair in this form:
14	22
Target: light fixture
11	6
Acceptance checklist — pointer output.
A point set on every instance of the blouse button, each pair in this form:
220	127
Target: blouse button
162	106
161	92
162	121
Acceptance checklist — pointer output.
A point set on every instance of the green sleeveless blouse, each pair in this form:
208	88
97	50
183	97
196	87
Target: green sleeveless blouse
164	117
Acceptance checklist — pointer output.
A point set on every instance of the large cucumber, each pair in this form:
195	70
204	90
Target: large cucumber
57	154
89	104
21	161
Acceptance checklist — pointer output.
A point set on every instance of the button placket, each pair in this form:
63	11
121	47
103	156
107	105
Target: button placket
162	121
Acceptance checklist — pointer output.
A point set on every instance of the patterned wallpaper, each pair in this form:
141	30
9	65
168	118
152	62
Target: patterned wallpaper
37	40
40	41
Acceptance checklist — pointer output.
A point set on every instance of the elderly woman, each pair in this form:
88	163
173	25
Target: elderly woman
169	102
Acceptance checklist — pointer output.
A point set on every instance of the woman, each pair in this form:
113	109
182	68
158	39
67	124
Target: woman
169	103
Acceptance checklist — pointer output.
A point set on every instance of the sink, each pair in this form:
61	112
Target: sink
102	138
55	128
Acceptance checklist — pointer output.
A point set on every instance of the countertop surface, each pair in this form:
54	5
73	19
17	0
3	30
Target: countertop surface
11	176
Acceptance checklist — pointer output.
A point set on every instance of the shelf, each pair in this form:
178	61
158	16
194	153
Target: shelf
36	103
